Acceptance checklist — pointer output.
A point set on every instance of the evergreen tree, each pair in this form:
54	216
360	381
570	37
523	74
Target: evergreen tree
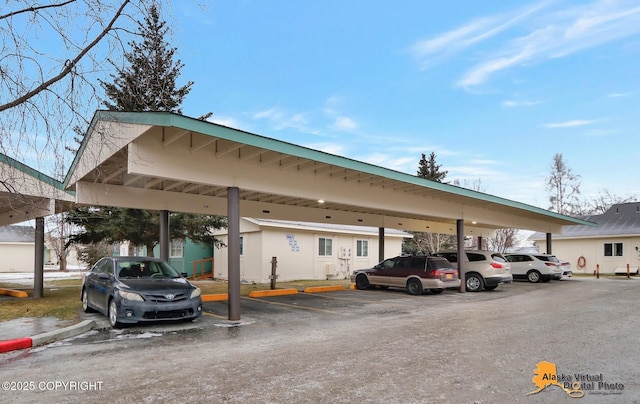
113	225
427	242
148	83
429	169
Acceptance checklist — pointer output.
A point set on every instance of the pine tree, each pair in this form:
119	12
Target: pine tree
149	82
429	169
426	241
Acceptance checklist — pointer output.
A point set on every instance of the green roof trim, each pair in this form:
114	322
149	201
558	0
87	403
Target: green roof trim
31	171
212	129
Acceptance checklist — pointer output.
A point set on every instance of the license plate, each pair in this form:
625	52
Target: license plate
449	276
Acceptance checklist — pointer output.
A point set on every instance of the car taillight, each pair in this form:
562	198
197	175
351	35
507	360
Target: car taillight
434	274
497	265
550	264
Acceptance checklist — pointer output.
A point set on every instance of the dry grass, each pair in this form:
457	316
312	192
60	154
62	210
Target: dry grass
62	302
62	297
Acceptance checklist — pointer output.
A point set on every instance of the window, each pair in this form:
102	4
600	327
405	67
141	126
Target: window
613	249
451	257
177	248
325	246
241	245
476	257
362	248
139	251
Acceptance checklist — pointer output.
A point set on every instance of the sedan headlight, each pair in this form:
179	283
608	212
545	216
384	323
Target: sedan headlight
195	293
130	296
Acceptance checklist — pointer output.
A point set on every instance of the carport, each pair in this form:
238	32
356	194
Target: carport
169	162
27	194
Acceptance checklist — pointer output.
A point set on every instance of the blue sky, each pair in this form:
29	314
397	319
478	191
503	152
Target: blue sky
494	88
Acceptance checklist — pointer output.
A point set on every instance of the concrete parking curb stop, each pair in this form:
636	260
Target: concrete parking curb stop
319	289
215	297
275	292
13	293
47	337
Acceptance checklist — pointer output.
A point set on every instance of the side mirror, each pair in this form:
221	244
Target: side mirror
104	275
184	274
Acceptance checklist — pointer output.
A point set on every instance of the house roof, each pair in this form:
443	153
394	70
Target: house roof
621	219
17	234
327	227
161	160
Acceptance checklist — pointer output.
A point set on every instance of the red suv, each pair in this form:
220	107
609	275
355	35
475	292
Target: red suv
416	273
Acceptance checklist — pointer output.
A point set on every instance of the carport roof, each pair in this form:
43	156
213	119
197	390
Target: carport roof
161	160
26	193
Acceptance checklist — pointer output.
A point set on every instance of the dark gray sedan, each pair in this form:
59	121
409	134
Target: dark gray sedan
135	289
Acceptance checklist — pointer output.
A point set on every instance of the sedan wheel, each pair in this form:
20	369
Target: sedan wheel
113	314
474	283
533	276
414	287
85	302
362	282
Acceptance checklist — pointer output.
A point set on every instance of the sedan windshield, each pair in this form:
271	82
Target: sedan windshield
146	269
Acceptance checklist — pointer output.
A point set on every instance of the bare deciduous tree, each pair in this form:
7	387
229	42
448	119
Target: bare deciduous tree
51	56
564	188
605	200
503	240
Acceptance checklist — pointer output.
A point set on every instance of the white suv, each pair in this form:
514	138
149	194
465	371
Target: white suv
535	267
483	269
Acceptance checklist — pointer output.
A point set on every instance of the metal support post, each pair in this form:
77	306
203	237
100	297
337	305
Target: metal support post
38	274
274	276
461	268
233	226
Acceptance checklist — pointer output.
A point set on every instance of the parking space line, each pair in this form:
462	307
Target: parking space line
390	301
292	305
351	299
214	315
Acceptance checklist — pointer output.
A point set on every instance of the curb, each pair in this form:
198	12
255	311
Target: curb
47	337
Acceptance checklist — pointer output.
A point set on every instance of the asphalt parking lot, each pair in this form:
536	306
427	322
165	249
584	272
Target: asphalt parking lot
361	346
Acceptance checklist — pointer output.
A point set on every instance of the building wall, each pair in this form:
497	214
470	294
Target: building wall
17	257
592	249
297	255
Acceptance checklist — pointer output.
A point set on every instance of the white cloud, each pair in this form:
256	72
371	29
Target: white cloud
327	147
616	95
387	160
344	123
225	121
456	40
514	104
281	119
549	32
569	124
